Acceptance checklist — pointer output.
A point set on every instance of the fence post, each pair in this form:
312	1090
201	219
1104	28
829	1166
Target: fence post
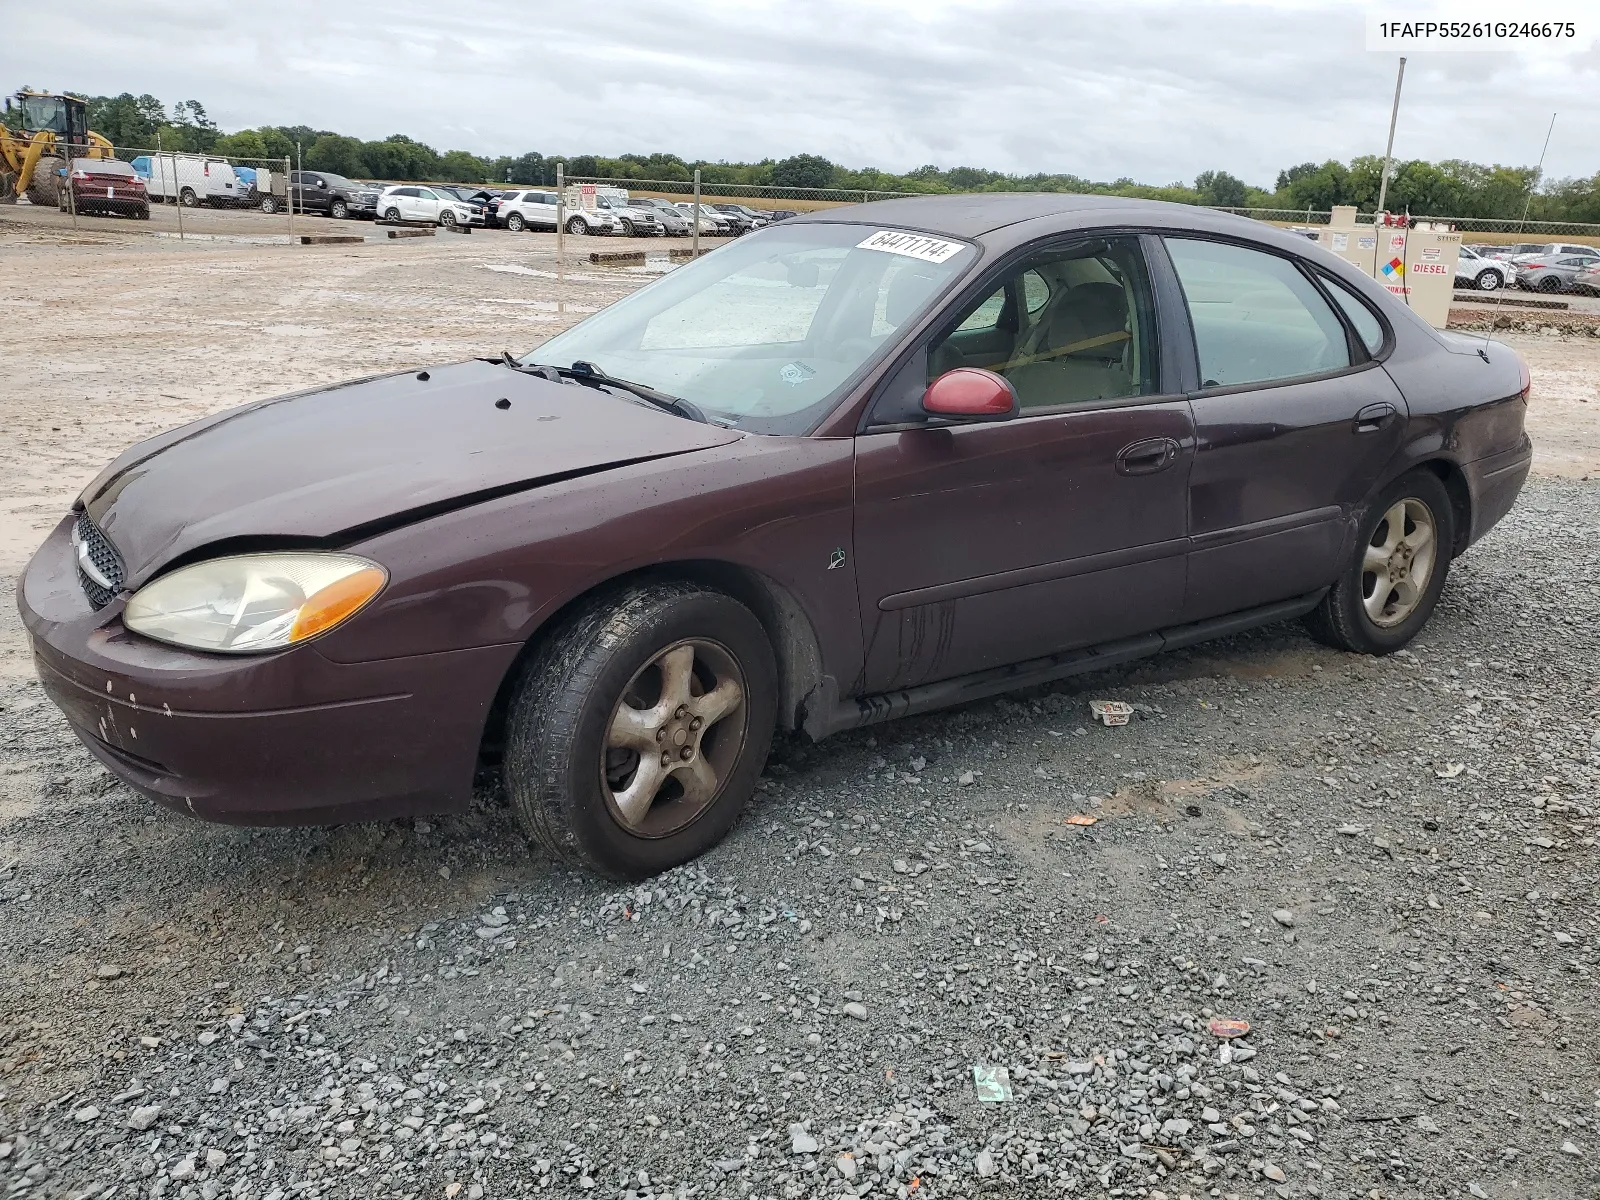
865	197
300	169
561	221
72	196
694	216
177	195
288	197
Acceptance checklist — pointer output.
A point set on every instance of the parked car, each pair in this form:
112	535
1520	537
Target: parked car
674	223
597	220
188	179
736	217
105	185
781	214
332	195
1586	282
1486	274
1541	273
633	220
830	475
757	217
711	221
414	202
533	209
262	188
1507	253
1559	250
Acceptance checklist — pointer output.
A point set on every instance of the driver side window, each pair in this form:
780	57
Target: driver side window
1067	327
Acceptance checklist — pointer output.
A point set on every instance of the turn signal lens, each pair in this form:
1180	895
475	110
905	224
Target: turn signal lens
251	603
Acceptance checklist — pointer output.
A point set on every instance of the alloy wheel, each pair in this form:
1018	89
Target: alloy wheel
1398	562
674	737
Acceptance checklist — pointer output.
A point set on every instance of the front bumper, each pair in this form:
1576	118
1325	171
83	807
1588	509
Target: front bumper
291	738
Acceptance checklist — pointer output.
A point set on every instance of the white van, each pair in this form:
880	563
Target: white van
197	179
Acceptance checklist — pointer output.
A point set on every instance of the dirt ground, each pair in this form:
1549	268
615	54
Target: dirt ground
1386	865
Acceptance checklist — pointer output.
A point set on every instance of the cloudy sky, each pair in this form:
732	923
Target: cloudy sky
1157	90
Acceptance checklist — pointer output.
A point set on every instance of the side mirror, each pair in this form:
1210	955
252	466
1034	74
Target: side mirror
971	394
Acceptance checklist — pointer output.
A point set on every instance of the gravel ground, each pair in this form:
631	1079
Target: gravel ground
1387	867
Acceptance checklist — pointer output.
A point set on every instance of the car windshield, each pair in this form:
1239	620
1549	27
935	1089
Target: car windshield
768	332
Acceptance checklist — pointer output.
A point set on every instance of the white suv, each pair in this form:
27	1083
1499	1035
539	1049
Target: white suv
413	202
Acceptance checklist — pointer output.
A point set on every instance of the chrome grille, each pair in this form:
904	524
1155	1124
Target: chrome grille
100	569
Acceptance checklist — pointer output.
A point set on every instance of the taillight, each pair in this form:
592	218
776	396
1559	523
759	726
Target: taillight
1533	266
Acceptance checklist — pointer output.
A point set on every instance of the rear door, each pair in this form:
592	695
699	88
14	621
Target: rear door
1295	421
981	545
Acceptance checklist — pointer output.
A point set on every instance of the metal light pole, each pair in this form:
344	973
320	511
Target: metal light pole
695	215
1538	171
1388	153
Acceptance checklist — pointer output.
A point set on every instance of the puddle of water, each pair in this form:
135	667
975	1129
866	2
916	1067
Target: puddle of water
512	269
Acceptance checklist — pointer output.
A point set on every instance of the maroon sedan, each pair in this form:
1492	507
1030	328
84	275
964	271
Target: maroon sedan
106	185
860	464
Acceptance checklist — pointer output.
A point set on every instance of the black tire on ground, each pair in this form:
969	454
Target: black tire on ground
269	204
515	223
8	187
1487	280
627	229
392	216
338	210
556	755
143	213
189	198
44	189
1550	283
576	225
1342	619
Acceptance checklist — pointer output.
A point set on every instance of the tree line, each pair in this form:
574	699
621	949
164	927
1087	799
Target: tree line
1452	187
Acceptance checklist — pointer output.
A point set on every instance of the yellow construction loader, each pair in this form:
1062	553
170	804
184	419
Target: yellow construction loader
38	135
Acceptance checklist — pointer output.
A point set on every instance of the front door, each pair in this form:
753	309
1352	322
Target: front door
980	545
1295	424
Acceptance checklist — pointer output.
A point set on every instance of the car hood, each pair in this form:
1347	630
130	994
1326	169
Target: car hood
331	465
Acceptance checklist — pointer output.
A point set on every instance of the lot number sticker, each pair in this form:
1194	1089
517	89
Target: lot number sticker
912	245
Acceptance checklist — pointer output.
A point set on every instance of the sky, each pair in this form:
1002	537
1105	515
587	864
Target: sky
1153	90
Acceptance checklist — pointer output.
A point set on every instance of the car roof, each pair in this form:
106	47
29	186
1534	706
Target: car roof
972	214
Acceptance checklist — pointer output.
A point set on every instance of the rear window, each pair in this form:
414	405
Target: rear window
102	166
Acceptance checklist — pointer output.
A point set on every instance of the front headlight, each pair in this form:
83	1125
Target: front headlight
253	602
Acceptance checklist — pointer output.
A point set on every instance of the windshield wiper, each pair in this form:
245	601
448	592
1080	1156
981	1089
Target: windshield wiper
593	376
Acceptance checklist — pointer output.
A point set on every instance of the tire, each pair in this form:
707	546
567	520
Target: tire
1487	281
44	189
392	216
1345	618
627	229
515	223
568	776
447	219
143	214
188	198
577	225
339	210
1550	283
269	205
8	187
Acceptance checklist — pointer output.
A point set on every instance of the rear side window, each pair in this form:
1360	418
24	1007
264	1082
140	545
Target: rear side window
1368	328
1256	318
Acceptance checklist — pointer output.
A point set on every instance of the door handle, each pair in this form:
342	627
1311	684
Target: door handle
1374	417
1147	456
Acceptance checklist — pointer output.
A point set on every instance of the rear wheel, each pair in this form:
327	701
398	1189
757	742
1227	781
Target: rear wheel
1402	558
44	189
392	215
638	731
1550	283
577	225
515	223
1487	281
188	198
269	204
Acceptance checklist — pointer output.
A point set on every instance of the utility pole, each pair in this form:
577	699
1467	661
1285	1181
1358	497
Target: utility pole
1538	171
1388	153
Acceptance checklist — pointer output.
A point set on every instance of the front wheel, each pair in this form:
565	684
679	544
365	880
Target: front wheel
515	223
338	210
447	219
627	229
1387	592
638	731
1488	281
576	225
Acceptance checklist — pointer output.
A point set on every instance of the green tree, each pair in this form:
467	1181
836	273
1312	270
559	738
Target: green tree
457	166
528	168
247	143
1220	189
337	155
803	171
